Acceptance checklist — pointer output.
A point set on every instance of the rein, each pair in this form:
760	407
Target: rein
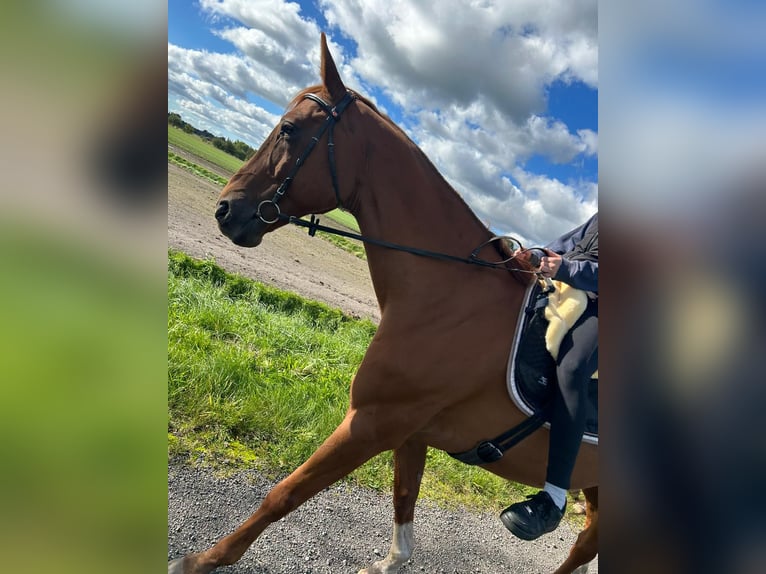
313	226
333	116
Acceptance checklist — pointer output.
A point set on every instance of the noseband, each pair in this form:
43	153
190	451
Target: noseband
333	116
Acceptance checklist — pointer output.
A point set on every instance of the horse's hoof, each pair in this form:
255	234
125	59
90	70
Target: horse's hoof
581	569
176	566
379	567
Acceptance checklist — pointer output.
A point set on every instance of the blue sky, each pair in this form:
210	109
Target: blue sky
503	97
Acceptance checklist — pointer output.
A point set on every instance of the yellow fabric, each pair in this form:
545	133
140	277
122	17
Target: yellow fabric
565	305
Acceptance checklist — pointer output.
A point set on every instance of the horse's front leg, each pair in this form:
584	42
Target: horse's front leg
358	438
409	461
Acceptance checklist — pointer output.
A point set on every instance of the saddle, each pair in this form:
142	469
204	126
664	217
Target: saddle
531	380
548	315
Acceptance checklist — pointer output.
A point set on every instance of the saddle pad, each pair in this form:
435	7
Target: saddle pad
568	305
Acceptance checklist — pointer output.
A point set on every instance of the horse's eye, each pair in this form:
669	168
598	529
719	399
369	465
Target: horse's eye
287	129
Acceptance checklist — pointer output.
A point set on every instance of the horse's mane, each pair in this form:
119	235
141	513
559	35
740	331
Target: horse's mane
523	276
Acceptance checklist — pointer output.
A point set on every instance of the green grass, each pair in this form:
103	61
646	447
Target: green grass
196	145
344	218
354	247
258	378
197	170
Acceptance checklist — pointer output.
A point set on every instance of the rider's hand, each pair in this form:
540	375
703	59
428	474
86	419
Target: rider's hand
550	264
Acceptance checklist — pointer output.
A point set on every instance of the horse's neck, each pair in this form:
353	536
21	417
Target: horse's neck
404	200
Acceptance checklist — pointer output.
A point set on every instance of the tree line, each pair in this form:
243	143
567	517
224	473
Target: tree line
237	148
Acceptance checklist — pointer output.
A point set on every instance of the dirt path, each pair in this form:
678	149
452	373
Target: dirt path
288	259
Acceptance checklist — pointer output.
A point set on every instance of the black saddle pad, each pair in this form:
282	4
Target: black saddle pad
535	368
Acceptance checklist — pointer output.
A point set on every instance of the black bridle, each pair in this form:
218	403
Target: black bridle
333	116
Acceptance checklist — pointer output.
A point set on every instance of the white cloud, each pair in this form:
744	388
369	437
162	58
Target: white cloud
443	52
552	139
537	211
236	75
590	139
268	53
276	36
280	19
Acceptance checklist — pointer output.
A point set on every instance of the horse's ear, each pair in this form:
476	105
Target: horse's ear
330	77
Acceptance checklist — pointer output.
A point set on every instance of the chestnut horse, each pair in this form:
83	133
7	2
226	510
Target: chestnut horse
434	373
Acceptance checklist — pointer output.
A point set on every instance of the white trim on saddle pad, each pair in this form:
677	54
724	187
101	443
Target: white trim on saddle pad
552	338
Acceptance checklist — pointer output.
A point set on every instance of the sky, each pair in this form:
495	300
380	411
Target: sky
502	96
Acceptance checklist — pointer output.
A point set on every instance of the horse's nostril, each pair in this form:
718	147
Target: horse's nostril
222	209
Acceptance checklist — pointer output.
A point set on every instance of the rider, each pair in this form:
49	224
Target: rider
571	259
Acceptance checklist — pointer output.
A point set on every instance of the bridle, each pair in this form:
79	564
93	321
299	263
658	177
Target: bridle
333	117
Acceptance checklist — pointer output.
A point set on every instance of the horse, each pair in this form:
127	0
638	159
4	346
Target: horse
434	374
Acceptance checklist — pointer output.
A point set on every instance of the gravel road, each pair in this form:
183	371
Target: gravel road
345	528
342	529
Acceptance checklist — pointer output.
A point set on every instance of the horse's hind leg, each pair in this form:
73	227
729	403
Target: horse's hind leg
409	461
586	546
357	439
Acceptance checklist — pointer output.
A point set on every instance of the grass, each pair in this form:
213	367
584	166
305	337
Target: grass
199	147
258	378
344	218
354	247
197	170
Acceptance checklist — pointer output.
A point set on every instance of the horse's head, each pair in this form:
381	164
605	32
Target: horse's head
290	174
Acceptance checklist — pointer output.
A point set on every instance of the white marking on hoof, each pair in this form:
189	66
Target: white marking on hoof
176	566
401	550
581	569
